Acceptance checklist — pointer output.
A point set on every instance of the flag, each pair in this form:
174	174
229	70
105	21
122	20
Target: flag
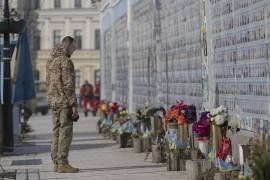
24	87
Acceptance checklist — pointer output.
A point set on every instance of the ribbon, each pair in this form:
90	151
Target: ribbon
224	148
182	134
216	137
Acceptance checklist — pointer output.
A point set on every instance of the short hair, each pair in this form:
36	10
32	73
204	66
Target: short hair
68	39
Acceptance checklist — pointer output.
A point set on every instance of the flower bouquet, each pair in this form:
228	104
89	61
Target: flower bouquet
110	109
121	116
221	145
114	111
146	120
178	117
201	129
102	113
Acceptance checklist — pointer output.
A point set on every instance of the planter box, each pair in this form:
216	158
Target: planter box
106	133
222	176
123	140
172	162
175	163
194	155
146	142
137	145
99	128
110	134
114	136
196	167
182	164
156	154
118	139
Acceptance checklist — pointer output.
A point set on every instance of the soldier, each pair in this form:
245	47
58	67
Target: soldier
60	84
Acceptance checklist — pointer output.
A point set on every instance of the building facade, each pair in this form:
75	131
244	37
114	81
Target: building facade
51	20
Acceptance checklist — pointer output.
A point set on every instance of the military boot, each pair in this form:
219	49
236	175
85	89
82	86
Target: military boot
66	168
55	167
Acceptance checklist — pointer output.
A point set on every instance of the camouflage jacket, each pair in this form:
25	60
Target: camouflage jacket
60	80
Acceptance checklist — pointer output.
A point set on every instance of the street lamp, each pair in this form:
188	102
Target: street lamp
8	26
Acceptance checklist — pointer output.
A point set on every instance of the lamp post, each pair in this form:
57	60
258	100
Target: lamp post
8	26
7	106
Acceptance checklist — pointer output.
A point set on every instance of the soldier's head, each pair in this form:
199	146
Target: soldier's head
69	45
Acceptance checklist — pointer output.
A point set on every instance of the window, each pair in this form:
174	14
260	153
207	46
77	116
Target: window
37	4
78	78
97	75
56	37
97	39
36	74
57	3
37	40
78	38
78	3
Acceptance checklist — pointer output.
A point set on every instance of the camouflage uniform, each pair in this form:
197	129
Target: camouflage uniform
60	83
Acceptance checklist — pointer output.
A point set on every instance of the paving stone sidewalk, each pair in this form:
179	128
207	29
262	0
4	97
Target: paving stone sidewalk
97	158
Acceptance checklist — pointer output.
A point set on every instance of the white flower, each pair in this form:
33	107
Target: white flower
214	112
221	109
120	109
219	119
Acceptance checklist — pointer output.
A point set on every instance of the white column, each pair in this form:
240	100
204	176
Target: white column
88	34
71	4
47	35
211	78
102	63
113	58
67	27
129	45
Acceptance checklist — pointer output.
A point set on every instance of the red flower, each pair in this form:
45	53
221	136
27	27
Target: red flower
181	120
168	117
224	149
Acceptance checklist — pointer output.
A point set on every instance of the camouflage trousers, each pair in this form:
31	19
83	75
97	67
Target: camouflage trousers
62	135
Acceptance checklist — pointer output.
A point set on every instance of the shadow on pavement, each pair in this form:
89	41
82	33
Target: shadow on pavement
123	168
73	141
31	148
47	136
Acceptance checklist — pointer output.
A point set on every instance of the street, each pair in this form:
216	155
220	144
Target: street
97	158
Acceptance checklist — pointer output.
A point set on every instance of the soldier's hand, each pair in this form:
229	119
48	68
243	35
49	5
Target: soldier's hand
75	112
